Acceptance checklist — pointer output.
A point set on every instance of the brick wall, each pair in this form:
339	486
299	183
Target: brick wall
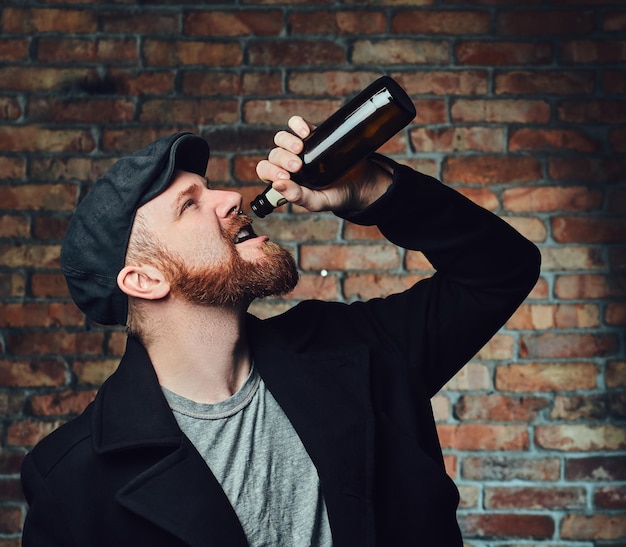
520	106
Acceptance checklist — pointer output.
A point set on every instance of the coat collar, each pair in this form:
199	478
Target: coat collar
325	395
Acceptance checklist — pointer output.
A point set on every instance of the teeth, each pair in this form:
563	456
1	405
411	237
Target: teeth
243	234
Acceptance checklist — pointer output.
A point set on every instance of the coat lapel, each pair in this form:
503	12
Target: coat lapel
326	397
170	484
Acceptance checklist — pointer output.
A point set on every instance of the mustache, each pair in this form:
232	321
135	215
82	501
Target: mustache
236	223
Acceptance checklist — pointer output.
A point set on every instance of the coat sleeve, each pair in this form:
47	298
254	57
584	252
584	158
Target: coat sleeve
45	525
484	270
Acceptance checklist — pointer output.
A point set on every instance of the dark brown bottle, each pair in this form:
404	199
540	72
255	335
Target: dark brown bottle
348	136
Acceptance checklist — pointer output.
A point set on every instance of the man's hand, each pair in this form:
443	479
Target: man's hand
357	189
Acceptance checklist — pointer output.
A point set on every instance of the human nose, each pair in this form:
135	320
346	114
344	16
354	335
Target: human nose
228	203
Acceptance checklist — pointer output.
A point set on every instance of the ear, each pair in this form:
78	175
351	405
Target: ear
145	282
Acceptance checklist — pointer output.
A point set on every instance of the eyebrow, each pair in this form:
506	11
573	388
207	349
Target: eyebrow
184	194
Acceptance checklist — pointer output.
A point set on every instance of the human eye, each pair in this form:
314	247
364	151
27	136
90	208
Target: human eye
187	204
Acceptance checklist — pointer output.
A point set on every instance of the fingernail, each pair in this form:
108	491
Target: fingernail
293	165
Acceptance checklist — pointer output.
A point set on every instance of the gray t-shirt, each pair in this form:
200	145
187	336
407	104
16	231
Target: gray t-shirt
252	449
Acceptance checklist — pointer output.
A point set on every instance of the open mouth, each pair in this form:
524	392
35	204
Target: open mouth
244	234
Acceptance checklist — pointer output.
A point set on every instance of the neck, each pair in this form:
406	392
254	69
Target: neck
200	352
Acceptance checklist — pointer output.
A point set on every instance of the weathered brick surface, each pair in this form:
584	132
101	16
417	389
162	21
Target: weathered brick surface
520	107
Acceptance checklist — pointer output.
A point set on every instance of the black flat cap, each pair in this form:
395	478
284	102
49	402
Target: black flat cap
95	244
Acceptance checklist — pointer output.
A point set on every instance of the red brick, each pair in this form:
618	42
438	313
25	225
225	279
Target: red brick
229	83
10	490
531	139
483	437
12	285
12	168
39	373
590	229
473	376
615	375
176	53
187	111
28	433
503	53
458	139
18	255
532	228
10	461
338	22
353	257
457	22
14	49
543	82
33	138
591	112
510	468
537	498
580	437
162	23
321	227
65	403
481	196
615	314
316	286
51	342
92	372
596	468
567	346
500	110
550	316
546	377
580	407
544	23
37	197
590	286
279	111
613	81
49	285
14	225
25	78
11	520
498	408
617	201
296	53
69	50
610	497
523	526
617	140
592	51
137	84
10	109
442	82
589	170
416	260
35	314
501	346
334	83
32	21
358	232
59	169
366	286
233	23
430	111
92	110
123	141
596	527
551	198
49	227
399	51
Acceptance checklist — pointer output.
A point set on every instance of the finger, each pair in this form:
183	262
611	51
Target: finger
270	172
300	126
285	159
288	141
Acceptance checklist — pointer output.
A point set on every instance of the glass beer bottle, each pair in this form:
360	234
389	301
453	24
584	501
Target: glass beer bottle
348	136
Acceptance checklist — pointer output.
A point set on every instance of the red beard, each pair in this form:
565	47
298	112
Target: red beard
235	281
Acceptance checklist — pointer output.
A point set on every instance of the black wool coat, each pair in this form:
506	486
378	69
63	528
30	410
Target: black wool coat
354	379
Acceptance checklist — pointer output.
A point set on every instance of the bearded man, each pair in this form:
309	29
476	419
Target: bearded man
312	428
